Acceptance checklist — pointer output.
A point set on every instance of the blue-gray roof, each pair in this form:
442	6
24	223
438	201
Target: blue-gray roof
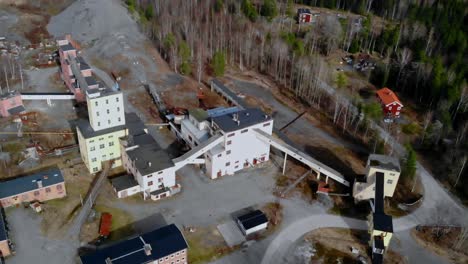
245	118
3	232
30	183
164	241
219	111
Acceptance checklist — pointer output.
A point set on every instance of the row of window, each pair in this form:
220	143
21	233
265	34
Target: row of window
108	121
101	146
107	101
108	111
150	183
173	255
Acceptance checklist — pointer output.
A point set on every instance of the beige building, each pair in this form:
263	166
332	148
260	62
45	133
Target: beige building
41	186
389	166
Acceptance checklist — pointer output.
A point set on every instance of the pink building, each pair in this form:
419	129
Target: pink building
75	72
11	104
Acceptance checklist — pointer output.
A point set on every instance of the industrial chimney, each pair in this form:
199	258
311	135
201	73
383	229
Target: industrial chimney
147	248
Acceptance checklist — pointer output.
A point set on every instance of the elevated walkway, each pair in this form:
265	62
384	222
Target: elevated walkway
191	157
47	96
302	157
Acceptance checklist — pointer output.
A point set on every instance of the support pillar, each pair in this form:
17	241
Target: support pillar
318	175
284	162
326	179
49	102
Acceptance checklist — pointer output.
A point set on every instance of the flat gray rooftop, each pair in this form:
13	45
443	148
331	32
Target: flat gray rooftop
241	119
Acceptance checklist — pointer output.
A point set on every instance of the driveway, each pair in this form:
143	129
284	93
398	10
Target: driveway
31	245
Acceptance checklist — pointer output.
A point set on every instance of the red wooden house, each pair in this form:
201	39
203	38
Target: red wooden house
391	105
304	15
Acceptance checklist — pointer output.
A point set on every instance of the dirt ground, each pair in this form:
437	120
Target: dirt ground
206	244
57	214
334	244
442	241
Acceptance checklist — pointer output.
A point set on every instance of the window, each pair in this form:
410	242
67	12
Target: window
219	155
228	163
190	138
95	169
390	108
111	154
160	172
267	124
116	99
178	253
160	179
237	161
229	142
172	256
245	130
98	123
228	152
107	101
399	108
104	157
237	167
47	190
111	136
91	141
397	113
111	144
92	148
101	146
108	121
118	109
167	258
36	193
392	174
149	176
231	135
389	181
150	183
96	103
119	119
108	111
93	160
97	113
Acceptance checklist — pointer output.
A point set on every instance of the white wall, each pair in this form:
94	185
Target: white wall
244	148
256	229
106	111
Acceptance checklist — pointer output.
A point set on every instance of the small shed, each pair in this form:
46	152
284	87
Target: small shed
252	222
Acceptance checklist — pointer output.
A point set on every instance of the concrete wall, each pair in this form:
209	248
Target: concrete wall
101	148
40	194
106	111
128	192
242	149
4	248
253	229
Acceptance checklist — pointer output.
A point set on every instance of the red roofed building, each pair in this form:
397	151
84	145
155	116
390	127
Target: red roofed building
391	105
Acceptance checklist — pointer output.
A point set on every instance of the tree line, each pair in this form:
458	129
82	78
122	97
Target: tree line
422	46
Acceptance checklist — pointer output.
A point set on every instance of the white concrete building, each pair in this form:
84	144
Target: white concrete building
150	166
387	165
240	146
105	108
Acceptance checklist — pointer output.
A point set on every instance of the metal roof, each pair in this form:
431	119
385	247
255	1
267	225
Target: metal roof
88	132
163	241
253	219
241	119
123	182
150	158
384	162
16	110
30	183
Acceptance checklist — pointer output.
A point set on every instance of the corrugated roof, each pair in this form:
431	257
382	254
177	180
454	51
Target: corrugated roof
164	241
388	96
30	183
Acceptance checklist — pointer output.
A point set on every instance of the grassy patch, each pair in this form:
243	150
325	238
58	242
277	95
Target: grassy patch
205	245
121	222
411	129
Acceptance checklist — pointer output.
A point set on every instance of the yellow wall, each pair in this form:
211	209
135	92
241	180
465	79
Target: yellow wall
92	153
386	236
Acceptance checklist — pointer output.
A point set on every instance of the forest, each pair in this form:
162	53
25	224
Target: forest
421	46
